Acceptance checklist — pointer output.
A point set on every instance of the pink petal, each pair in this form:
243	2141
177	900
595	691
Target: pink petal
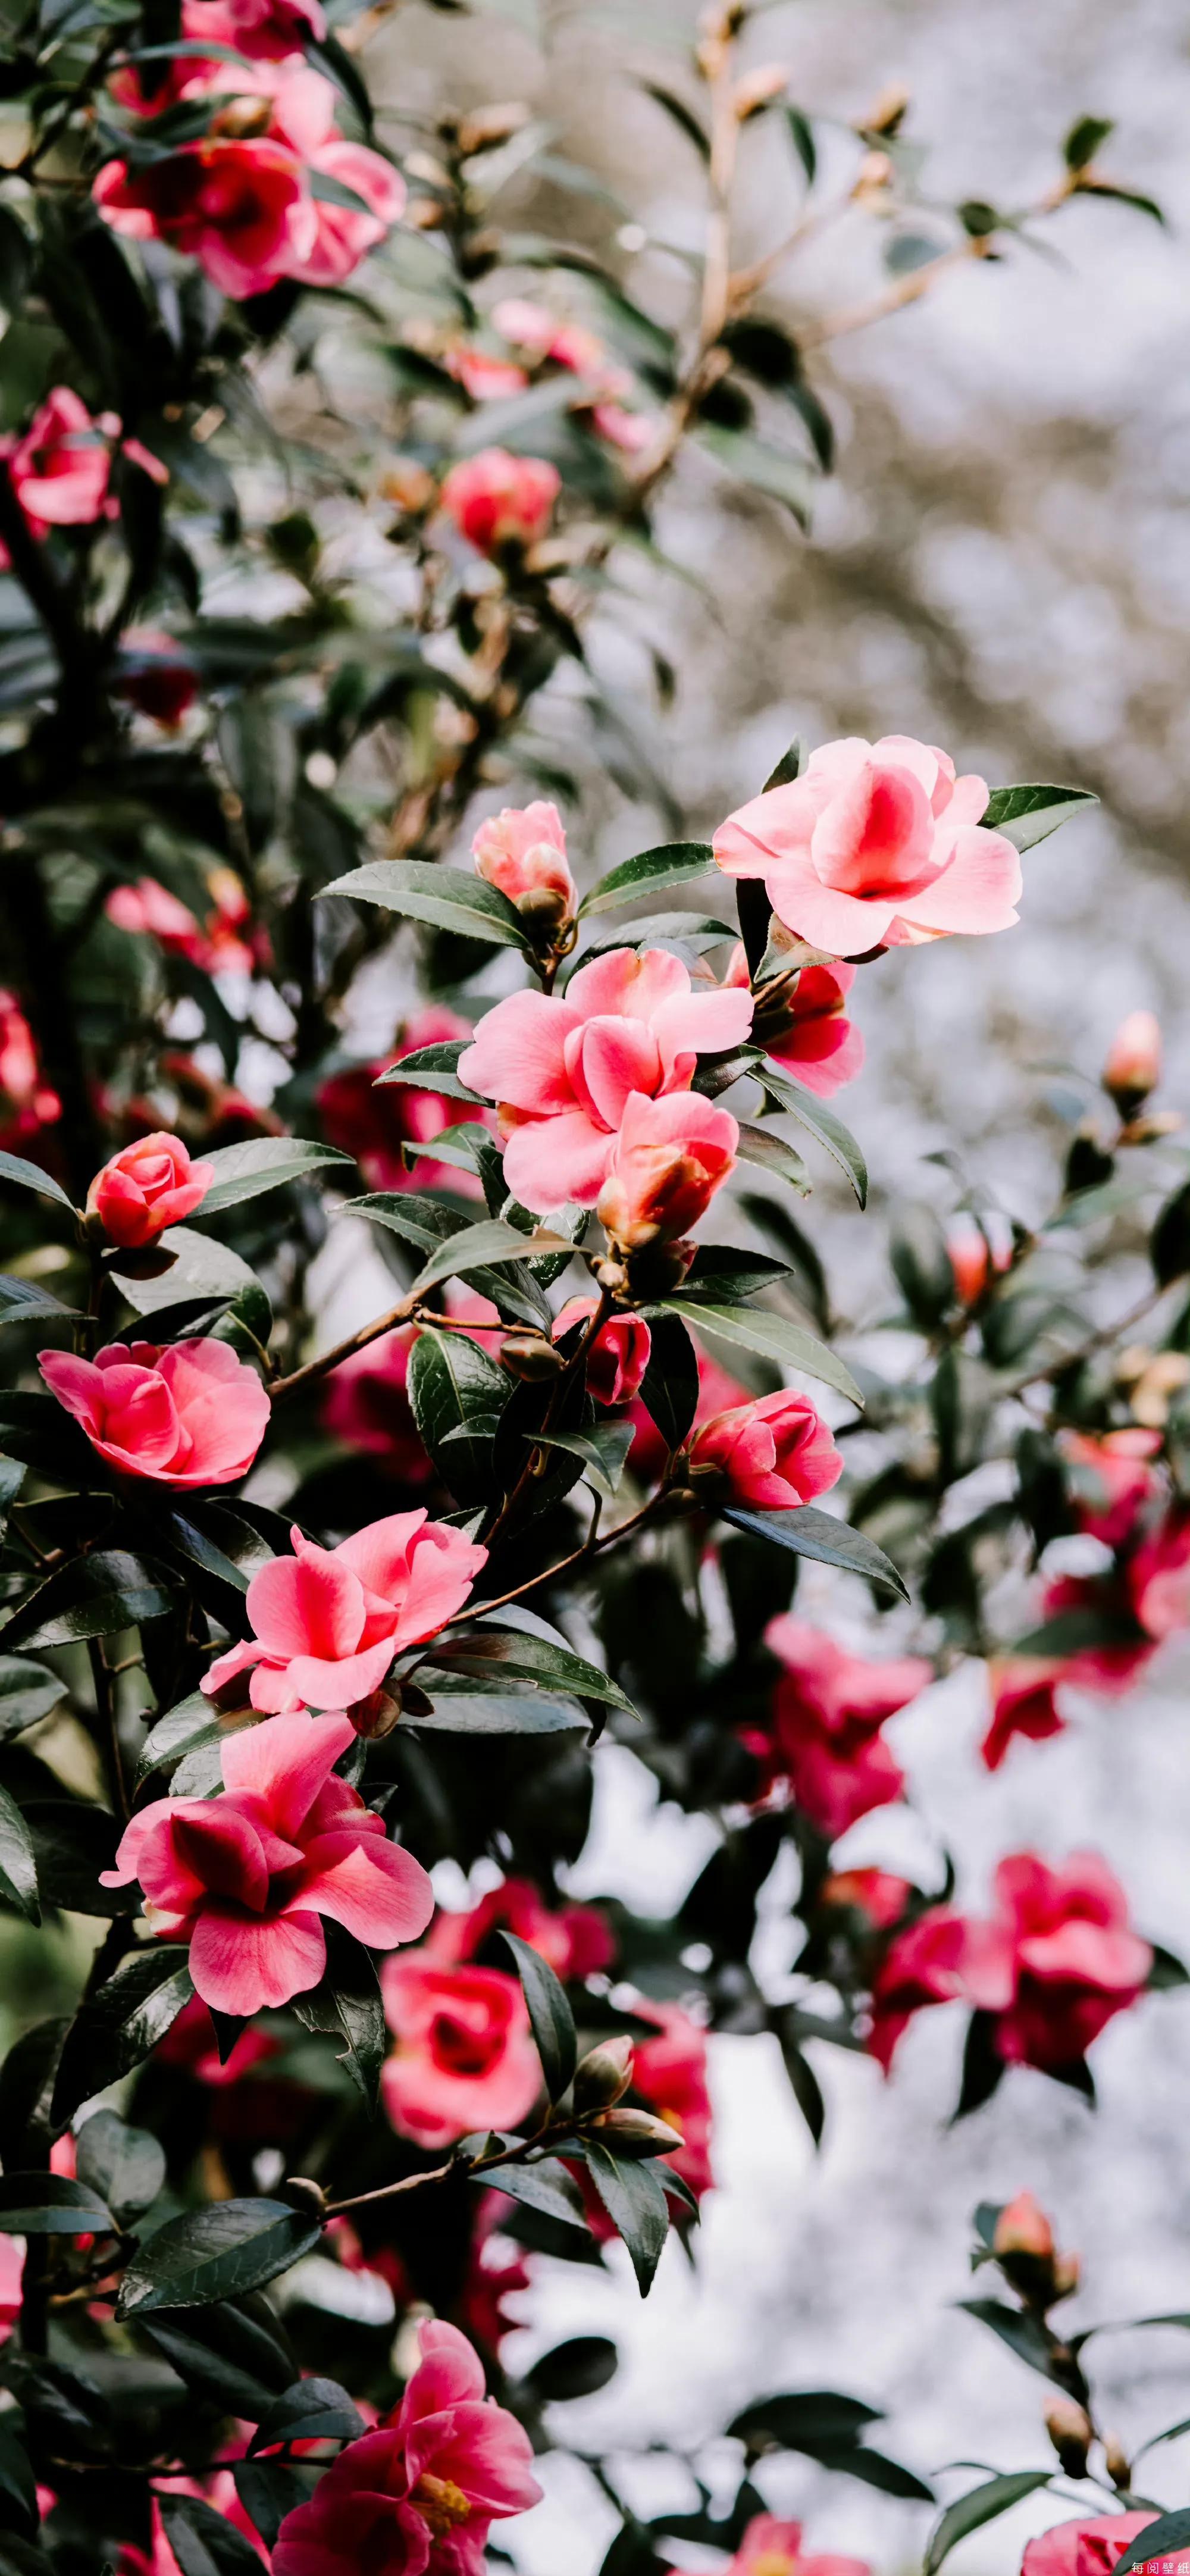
845	924
703	1023
518	1054
627	984
373	1888
245	1966
311	1604
285	1763
822	1054
227	1667
608	1058
550	1160
332	1685
442	1568
222	1850
379	1554
977	891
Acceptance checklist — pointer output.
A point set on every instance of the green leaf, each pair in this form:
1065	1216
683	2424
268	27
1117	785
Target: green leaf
767	469
27	1692
682	116
727	1277
750	1329
189	1726
448	898
1026	815
126	2166
1169	1243
1084	139
269	2490
498	1710
816	1534
263	1163
313	2410
764	1147
204	2542
115	2029
822	1123
95	1596
980	2504
215	2253
522	1657
18	1865
670	1386
47	2204
921	1263
202	1266
1159	2539
577	2368
23	1301
1024	2334
549	2014
235	2354
801	134
460	1146
434	1068
29	1176
485	1247
545	2186
455	1387
347	2002
635	2201
431	1227
604	1451
805	2420
673	863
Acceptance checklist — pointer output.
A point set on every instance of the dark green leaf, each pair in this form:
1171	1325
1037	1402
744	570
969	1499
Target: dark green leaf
47	2204
983	2065
980	2504
1026	815
764	1147
1084	139
26	2084
498	1710
453	1387
635	2202
767	469
126	2166
434	1068
95	1596
1159	2539
603	1451
669	1387
236	2354
192	1724
682	116
204	2542
216	2253
549	2014
268	2490
673	863
18	1865
816	1534
521	1657
1023	2333
546	2187
728	1277
431	1226
22	1301
263	1163
806	2420
1169	1246
822	1123
347	2003
801	134
751	1329
485	1247
118	2026
27	1693
574	2369
313	2410
29	1176
921	1263
448	898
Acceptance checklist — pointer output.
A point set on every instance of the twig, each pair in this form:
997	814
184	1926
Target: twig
105	1704
402	1314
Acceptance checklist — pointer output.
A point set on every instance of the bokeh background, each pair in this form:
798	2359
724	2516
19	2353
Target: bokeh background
1002	564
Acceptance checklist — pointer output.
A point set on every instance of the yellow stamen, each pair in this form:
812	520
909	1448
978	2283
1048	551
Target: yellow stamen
443	2505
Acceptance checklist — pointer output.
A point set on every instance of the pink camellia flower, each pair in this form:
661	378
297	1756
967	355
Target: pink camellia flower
61	468
27	1100
1107	1668
771	2547
12	2273
1133	1066
1112	1477
563	1070
522	850
241	207
149	911
1059	1959
1086	2548
374	1120
978	1254
823	1745
925	1964
194	1414
145	1188
618	1356
876	845
464	2057
303	117
1022	1689
367	1405
575	1939
821	1047
772	1453
247	1877
268	30
499	500
156	678
418	2496
670	1157
328	1622
485	378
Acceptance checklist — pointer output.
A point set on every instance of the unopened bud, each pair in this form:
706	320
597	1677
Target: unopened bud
888	112
408	484
529	1356
424	213
1067	2275
1133	1066
638	2127
1116	2461
484	126
1023	2228
1154	1123
612	1275
603	2074
543	907
874	175
305	2194
1069	2429
758	89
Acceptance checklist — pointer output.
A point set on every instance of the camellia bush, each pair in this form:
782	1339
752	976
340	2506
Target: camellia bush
319	483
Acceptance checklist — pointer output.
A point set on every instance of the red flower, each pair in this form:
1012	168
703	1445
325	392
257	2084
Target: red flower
145	1188
618	1356
61	468
717	1391
771	2547
925	1964
497	500
464	2057
773	1453
418	2496
1112	1477
820	1045
156	676
1023	1702
241	208
26	1100
1060	1958
575	1939
247	1877
373	1121
878	1895
670	2075
824	1744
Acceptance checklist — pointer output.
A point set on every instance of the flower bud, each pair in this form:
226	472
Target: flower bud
1069	2429
498	500
530	1357
757	89
408	484
1116	2461
1133	1066
639	2127
887	112
522	852
1023	2228
604	2073
149	1186
484	126
668	1160
1067	2275
305	2194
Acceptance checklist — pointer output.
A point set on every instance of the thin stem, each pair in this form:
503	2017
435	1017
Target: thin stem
105	1704
518	2155
402	1314
1094	1342
512	1498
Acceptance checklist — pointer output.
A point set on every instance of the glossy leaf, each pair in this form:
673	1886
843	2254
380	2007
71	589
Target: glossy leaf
447	898
24	1301
821	1123
670	1385
115	2029
810	1532
48	2204
981	2504
604	1451
1026	815
772	1336
509	1652
18	1864
313	2410
263	1163
434	1068
549	2014
27	1692
347	2003
672	863
635	2202
125	2166
95	1596
767	1149
203	2541
215	2253
455	1388
29	1176
485	1247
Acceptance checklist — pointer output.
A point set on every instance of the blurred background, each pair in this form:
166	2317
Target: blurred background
1000	564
